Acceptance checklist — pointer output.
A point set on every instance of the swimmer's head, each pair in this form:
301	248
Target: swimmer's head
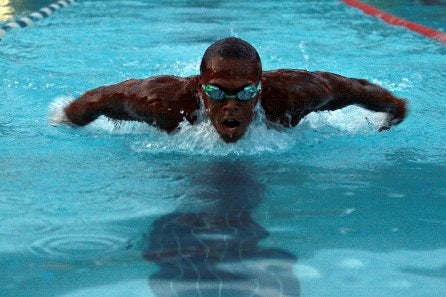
232	68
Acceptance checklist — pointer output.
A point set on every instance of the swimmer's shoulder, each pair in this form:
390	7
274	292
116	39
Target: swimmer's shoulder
168	86
283	77
170	79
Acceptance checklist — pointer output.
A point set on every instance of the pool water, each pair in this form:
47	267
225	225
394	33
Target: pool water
328	208
430	13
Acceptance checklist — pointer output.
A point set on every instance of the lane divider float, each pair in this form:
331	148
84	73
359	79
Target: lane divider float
396	21
35	16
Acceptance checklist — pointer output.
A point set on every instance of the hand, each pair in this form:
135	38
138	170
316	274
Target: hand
396	116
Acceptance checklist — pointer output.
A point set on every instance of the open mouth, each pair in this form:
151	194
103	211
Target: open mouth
230	123
231	130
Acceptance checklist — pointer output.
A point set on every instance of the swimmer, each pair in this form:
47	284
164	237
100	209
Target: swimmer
230	85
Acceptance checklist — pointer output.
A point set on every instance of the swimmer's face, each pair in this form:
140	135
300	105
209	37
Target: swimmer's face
231	116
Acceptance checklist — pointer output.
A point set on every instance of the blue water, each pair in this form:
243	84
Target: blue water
430	13
329	208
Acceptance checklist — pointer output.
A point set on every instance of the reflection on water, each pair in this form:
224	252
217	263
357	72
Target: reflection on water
6	10
9	9
214	250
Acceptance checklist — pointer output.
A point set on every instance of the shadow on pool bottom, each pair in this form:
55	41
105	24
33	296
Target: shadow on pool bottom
215	251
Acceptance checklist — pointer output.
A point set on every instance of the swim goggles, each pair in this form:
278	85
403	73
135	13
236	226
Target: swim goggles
215	93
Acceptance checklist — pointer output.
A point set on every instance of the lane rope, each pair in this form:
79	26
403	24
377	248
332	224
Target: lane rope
396	21
35	16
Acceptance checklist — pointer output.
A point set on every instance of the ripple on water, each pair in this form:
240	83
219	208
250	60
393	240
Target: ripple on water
79	244
26	225
111	203
14	206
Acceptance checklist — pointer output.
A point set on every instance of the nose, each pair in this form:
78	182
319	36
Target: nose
230	106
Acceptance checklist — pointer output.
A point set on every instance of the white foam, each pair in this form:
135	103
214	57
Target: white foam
58	117
202	138
351	119
57	114
104	124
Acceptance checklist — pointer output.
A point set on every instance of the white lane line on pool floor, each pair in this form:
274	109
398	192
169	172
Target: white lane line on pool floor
34	16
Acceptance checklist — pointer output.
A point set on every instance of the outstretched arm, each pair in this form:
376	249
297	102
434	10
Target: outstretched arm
163	101
289	95
110	101
348	91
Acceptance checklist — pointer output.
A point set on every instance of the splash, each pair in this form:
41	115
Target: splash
350	120
404	84
56	114
203	139
262	138
57	117
303	51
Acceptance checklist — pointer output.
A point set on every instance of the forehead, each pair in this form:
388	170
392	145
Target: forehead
232	69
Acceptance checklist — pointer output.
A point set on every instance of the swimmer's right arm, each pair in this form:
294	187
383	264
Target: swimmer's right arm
161	101
109	101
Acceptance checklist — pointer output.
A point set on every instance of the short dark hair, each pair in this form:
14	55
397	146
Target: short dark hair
231	48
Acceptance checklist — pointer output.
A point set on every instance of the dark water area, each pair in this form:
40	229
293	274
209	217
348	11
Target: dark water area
214	250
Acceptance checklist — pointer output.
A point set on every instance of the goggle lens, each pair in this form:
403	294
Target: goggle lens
215	93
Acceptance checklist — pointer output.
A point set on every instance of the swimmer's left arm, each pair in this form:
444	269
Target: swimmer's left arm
350	91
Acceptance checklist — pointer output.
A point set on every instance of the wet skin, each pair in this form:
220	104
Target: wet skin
230	117
286	97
